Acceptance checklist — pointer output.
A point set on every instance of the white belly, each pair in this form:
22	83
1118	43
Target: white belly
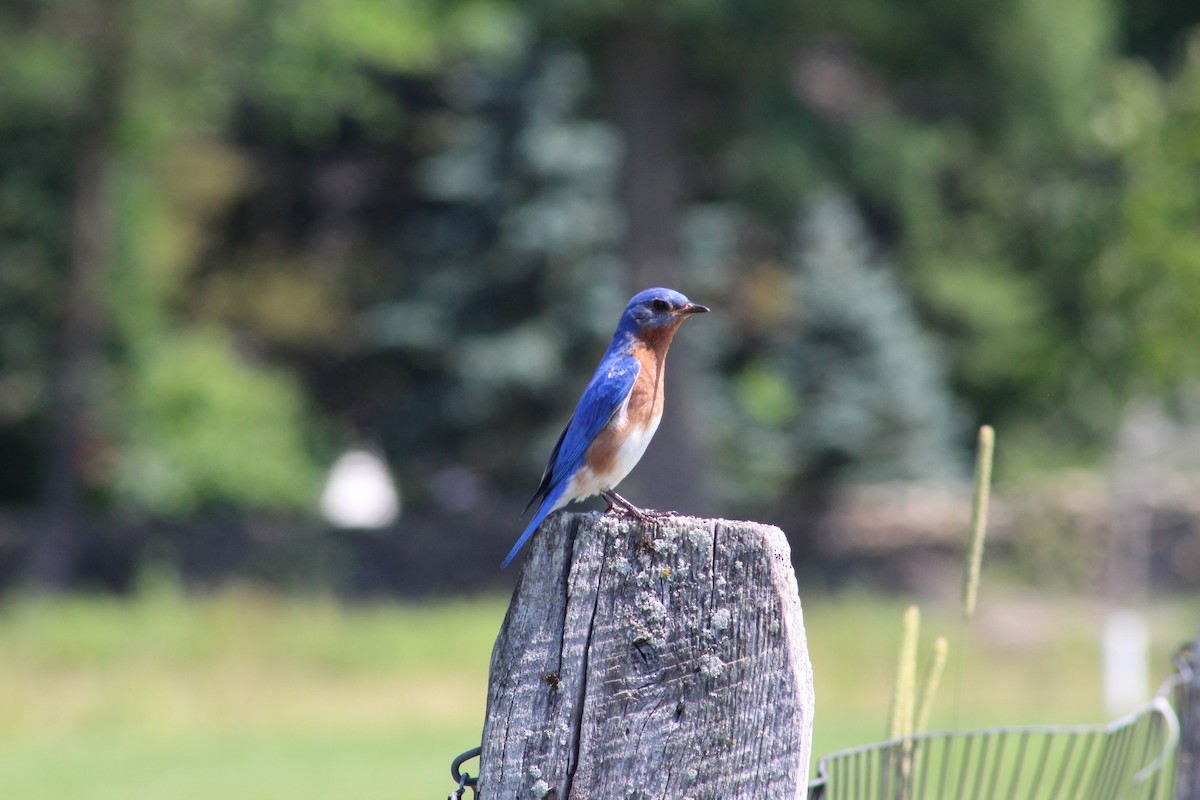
587	482
631	452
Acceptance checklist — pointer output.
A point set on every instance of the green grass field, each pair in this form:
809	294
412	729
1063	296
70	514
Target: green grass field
245	695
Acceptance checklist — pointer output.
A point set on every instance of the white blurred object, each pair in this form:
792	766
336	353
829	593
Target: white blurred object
360	492
1126	642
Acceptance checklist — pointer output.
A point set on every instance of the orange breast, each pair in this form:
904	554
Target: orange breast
646	396
621	443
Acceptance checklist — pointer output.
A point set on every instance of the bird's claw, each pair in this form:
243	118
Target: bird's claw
636	513
619	505
622	507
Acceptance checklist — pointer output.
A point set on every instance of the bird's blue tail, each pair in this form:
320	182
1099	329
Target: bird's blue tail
544	508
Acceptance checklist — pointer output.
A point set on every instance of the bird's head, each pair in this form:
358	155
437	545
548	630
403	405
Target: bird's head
657	310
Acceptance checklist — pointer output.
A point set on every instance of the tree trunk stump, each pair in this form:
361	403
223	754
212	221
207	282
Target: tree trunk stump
646	660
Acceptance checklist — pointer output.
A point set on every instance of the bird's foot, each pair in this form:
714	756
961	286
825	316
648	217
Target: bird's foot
619	505
636	513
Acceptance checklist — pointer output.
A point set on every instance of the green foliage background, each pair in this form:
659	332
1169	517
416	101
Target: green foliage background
403	222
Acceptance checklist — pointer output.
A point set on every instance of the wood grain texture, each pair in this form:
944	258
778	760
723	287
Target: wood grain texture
650	661
1187	703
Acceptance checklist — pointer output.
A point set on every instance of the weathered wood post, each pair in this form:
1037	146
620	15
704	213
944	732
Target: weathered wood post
1187	705
650	661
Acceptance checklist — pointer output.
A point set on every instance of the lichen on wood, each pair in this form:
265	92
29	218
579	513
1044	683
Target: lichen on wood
663	659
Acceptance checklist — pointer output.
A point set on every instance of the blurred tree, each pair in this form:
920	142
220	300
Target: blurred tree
841	385
146	406
873	399
105	29
645	84
205	426
964	133
1143	294
1156	30
421	218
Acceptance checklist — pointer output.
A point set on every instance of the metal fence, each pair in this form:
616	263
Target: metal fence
1124	760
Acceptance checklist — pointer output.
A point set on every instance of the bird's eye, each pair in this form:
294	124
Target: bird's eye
658	304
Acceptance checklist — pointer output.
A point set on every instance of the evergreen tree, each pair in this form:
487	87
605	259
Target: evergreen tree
873	393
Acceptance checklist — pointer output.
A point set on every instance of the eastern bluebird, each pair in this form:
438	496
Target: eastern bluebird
618	413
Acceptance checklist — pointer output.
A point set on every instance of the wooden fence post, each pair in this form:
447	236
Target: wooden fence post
650	660
1187	706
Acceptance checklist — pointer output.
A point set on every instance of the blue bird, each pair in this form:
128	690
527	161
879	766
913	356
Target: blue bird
618	413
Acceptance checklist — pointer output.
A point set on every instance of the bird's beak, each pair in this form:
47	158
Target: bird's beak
693	308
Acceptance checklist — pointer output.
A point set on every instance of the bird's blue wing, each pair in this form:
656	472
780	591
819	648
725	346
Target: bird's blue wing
603	396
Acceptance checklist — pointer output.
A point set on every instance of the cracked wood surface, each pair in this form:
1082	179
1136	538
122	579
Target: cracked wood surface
650	661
